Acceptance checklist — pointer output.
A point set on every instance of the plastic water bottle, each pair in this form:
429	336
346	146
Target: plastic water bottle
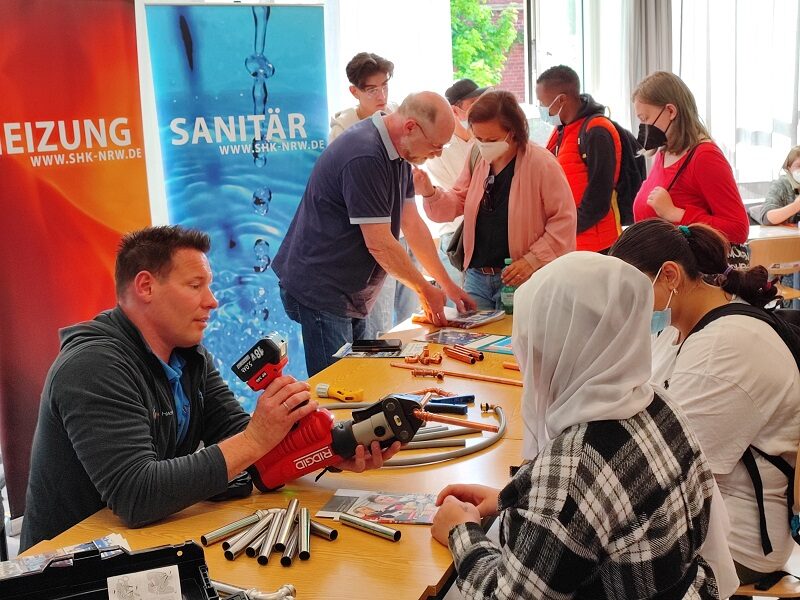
507	295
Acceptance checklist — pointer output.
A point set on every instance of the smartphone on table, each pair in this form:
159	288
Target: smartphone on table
385	345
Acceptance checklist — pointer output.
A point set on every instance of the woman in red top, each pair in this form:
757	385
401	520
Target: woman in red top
690	181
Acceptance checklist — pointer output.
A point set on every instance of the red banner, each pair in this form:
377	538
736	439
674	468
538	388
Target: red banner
72	181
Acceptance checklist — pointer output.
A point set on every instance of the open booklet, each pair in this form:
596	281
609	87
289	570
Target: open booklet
485	342
382	507
465	320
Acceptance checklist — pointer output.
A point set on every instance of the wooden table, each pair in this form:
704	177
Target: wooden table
772	232
761	232
357	565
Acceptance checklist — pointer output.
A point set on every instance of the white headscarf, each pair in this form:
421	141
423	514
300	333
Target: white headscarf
582	339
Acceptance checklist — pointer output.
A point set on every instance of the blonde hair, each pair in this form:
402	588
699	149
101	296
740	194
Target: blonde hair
793	155
662	88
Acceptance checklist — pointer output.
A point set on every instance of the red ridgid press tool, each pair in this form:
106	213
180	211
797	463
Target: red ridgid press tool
317	441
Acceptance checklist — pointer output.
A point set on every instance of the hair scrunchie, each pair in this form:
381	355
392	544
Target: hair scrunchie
723	277
685	231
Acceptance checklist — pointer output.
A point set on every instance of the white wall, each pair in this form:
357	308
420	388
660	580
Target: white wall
413	34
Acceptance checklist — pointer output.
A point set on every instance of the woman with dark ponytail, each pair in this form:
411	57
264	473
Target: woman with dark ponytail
735	378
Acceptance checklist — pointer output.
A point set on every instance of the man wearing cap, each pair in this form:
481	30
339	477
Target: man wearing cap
343	239
445	169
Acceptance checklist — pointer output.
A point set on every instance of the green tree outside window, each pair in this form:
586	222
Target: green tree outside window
481	42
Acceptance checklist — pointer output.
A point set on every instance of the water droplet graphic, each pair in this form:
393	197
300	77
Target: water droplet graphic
259	156
261	199
263	260
265	313
259	66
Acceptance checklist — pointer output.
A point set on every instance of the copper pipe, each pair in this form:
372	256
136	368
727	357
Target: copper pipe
436	391
458	355
476	353
431	418
510	365
440	375
415	372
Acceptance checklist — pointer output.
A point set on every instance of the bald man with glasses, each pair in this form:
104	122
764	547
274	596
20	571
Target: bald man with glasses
343	239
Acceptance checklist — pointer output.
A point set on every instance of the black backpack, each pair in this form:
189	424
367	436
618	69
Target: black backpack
786	323
632	171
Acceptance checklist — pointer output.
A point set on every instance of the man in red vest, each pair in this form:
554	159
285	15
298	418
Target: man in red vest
591	165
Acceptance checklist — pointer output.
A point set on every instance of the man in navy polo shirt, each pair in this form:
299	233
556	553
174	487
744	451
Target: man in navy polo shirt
343	238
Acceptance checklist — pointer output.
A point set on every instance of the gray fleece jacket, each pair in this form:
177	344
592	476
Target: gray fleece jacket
781	193
106	434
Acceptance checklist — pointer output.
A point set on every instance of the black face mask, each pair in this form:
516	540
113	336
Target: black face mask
651	137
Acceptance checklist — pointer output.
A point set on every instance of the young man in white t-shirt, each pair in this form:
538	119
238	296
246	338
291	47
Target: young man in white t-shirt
369	76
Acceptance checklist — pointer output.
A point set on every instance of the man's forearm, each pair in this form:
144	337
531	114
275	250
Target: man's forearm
239	453
393	258
421	243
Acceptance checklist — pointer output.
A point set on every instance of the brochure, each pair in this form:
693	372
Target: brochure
502	346
465	320
382	507
478	341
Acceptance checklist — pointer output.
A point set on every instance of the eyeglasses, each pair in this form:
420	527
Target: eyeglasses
374	91
486	200
436	147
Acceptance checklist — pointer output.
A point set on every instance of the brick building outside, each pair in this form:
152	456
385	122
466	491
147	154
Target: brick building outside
514	72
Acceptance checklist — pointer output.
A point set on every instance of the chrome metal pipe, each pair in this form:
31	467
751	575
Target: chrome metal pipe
304	534
272	535
227	530
323	531
253	533
287	590
253	548
233	539
370	527
444	443
288	523
291	548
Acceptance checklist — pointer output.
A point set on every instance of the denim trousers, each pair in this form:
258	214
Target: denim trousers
484	289
323	332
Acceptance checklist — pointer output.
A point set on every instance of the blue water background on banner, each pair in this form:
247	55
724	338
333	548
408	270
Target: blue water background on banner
243	201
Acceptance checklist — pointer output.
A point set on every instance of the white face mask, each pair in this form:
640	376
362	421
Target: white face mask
492	150
796	175
544	114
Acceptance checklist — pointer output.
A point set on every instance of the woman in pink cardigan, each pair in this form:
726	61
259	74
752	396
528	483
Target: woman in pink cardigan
516	202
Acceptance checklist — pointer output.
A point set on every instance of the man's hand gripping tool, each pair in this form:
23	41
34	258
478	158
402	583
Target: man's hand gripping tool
317	441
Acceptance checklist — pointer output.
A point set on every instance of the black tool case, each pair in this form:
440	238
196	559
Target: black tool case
83	575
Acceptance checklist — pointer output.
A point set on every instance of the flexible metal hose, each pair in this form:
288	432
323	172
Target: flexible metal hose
427	459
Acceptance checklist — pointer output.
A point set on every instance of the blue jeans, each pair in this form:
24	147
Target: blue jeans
323	333
484	289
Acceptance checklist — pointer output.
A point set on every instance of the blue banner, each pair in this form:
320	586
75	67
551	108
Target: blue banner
242	117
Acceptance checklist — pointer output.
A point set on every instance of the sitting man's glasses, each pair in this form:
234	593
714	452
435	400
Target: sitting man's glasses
486	200
374	91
